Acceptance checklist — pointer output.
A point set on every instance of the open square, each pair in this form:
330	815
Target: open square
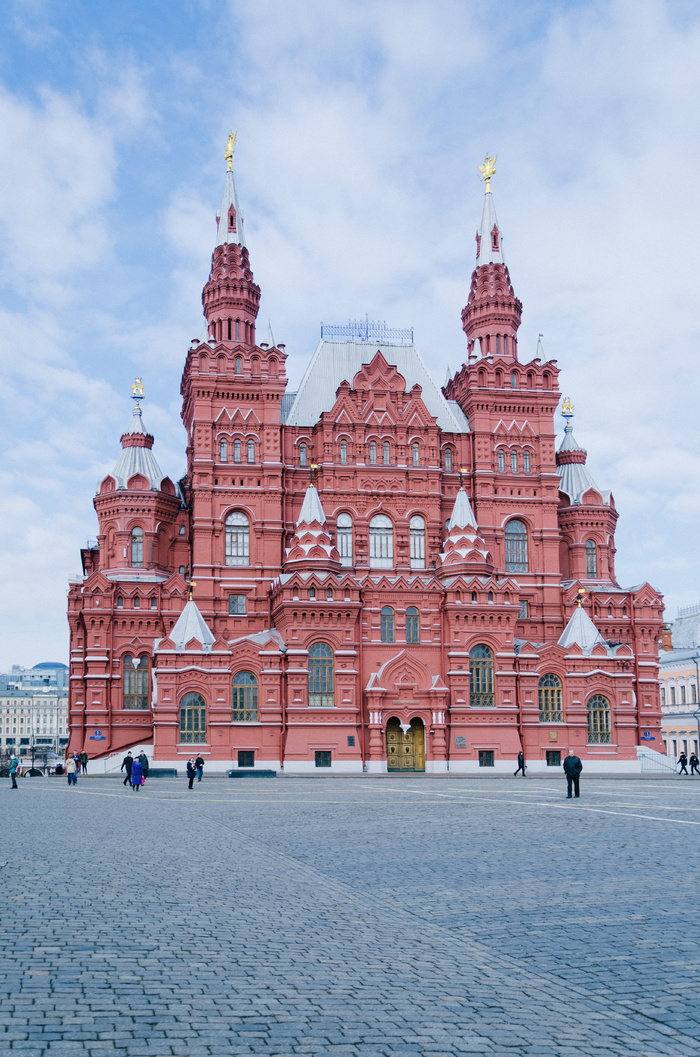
399	916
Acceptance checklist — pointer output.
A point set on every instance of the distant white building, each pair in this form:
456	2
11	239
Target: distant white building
34	709
679	676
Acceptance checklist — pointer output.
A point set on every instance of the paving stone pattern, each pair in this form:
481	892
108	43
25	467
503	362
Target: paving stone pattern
410	916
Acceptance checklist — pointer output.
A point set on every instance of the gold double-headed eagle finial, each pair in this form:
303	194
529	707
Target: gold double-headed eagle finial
487	170
230	148
567	408
137	390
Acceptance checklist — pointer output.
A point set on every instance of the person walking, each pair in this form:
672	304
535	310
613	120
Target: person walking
143	760
521	764
572	769
72	770
84	762
694	763
127	764
14	770
136	774
199	768
683	761
191	772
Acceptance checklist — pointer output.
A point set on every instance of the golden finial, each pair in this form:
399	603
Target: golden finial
487	170
137	392
191	584
230	148
579	596
567	411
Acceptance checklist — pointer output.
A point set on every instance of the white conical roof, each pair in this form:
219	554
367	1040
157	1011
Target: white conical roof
311	508
487	255
462	513
137	459
223	235
191	625
581	631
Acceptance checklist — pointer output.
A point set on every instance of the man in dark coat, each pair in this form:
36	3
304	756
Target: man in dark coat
143	760
683	761
199	767
694	763
521	764
572	770
127	764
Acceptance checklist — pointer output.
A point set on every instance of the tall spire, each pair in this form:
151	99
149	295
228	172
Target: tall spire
464	551
492	313
231	297
136	456
571	463
311	546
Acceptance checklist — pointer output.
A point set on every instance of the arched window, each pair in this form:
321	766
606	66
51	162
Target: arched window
321	676
501	461
137	547
251	451
481	677
598	720
412	625
303	454
386	453
193	720
549	699
417	542
591	559
387	615
373	452
448	460
381	542
238	362
513	379
135	681
415	454
237	539
343	452
514	462
343	536
516	547
526	462
223	450
236	450
245	698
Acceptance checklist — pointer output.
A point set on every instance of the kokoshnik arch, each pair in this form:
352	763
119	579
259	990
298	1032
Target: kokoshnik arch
389	575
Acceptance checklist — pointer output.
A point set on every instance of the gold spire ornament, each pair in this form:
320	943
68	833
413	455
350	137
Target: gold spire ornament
567	410
137	390
230	148
191	584
487	170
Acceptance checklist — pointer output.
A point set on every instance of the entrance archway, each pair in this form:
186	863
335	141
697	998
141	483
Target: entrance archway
405	751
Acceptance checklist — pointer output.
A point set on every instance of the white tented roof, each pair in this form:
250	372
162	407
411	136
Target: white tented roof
336	361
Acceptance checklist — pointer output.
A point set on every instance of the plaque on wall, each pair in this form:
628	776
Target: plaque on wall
460	743
554	735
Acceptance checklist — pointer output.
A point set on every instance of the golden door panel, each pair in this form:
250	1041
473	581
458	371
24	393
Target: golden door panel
405	752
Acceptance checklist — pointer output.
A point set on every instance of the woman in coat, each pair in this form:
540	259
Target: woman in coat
72	770
191	772
136	774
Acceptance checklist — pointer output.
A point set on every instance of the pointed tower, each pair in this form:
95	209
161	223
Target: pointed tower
492	314
587	515
464	551
581	631
137	505
231	298
311	547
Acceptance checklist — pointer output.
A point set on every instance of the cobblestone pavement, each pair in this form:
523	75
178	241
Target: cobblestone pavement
413	916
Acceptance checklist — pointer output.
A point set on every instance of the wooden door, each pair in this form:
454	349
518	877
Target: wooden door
405	751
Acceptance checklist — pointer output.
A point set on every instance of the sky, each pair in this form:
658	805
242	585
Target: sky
361	124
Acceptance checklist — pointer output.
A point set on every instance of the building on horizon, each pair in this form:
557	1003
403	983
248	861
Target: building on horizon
679	677
371	573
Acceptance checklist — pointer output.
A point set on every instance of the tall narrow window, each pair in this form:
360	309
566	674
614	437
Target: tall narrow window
481	677
381	542
343	452
386	453
137	547
223	450
321	676
238	362
303	454
516	547
598	720
501	461
387	627
417	542
591	559
549	699
237	539
251	451
245	698
193	720
448	460
526	462
236	450
343	538
514	462
412	625
513	379
135	680
373	452
415	454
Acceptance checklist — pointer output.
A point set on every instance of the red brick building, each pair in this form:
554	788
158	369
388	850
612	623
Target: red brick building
386	573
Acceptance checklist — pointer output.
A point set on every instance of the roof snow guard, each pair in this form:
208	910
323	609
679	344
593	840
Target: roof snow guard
366	330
